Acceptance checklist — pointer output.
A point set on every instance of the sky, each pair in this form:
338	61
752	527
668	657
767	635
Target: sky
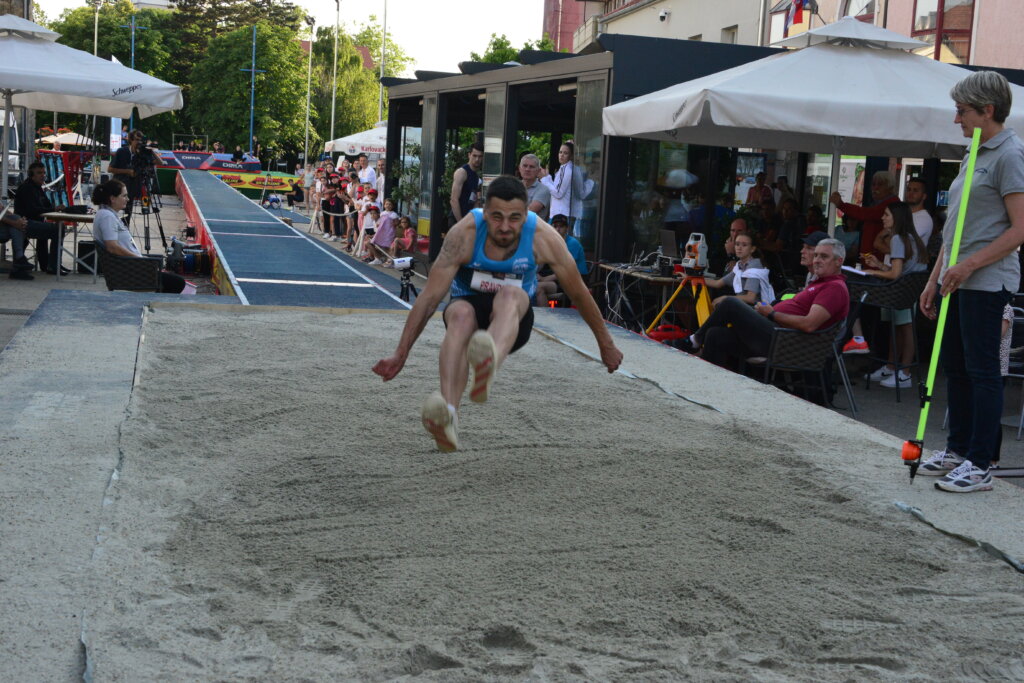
437	35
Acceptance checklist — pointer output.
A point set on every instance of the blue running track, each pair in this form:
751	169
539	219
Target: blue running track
268	263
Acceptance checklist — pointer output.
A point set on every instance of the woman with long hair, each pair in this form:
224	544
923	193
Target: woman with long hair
566	185
907	254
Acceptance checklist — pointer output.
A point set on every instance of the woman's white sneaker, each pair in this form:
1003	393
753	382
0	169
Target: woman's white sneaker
942	462
906	381
966	478
879	374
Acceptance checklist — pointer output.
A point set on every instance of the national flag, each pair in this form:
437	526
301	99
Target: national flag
795	15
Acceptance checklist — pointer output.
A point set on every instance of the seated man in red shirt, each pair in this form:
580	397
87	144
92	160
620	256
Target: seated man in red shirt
735	331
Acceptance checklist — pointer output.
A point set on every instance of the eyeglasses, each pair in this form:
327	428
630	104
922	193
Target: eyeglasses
960	111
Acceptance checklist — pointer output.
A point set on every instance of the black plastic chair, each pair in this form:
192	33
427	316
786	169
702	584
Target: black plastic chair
807	352
130	274
893	296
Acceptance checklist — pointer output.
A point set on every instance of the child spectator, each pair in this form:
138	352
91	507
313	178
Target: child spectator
748	279
385	236
907	254
406	237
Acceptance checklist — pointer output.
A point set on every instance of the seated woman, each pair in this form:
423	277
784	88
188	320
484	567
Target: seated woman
385	235
111	232
748	279
907	254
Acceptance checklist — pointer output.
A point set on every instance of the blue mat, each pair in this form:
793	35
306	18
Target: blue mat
272	264
296	218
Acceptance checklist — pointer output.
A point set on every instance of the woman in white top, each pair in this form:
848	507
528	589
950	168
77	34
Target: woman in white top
748	280
567	186
113	235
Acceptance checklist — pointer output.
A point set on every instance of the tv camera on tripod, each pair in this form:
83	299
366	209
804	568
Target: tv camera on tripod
148	188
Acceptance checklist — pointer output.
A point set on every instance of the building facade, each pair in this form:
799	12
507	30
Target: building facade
563	17
19	8
959	31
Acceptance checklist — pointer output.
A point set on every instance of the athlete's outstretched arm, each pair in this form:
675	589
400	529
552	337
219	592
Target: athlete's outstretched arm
456	251
550	248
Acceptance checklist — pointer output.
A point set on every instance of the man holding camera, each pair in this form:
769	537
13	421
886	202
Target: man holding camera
127	166
488	265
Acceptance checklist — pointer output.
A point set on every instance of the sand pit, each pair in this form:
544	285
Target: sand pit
281	515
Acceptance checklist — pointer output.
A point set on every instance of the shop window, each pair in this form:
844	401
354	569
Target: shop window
667	185
729	34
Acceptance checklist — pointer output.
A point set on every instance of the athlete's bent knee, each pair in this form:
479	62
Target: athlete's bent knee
513	296
460	315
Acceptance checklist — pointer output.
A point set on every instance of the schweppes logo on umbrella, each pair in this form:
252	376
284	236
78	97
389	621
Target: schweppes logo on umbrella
118	92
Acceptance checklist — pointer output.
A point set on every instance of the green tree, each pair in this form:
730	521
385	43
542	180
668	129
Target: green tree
154	48
356	106
197	22
499	49
220	89
370	35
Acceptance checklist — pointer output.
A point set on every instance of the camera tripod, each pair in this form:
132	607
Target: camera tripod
150	205
407	286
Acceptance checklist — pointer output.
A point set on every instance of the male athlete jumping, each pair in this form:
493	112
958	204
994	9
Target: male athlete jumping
489	263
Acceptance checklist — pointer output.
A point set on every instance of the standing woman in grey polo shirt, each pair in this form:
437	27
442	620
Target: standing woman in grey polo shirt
986	275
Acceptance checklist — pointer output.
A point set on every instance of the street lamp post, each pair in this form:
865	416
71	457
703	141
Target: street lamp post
132	25
309	76
252	91
96	4
334	78
383	47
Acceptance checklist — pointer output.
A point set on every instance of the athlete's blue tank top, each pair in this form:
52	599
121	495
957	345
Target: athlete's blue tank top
484	275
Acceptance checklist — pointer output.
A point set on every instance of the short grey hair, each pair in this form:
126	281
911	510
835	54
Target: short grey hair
982	88
884	177
838	248
530	157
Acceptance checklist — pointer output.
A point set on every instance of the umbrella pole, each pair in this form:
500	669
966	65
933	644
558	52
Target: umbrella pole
833	183
8	103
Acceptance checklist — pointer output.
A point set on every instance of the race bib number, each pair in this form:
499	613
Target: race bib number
491	282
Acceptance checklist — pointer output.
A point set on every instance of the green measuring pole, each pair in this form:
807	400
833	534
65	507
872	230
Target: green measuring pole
954	252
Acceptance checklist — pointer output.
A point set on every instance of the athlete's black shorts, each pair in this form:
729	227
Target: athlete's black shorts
483	304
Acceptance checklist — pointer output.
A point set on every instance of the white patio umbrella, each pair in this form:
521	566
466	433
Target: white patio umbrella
372	141
38	73
848	93
72	139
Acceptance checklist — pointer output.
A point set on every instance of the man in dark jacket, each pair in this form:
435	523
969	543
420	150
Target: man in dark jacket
31	202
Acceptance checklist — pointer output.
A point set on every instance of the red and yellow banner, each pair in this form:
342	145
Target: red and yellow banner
256	181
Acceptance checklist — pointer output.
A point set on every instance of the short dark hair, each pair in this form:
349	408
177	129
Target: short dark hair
507	188
362	155
918	180
102	193
36	165
477	146
559	218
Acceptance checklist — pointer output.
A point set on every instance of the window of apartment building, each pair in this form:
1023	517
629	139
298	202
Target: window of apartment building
947	24
729	34
697	37
861	9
